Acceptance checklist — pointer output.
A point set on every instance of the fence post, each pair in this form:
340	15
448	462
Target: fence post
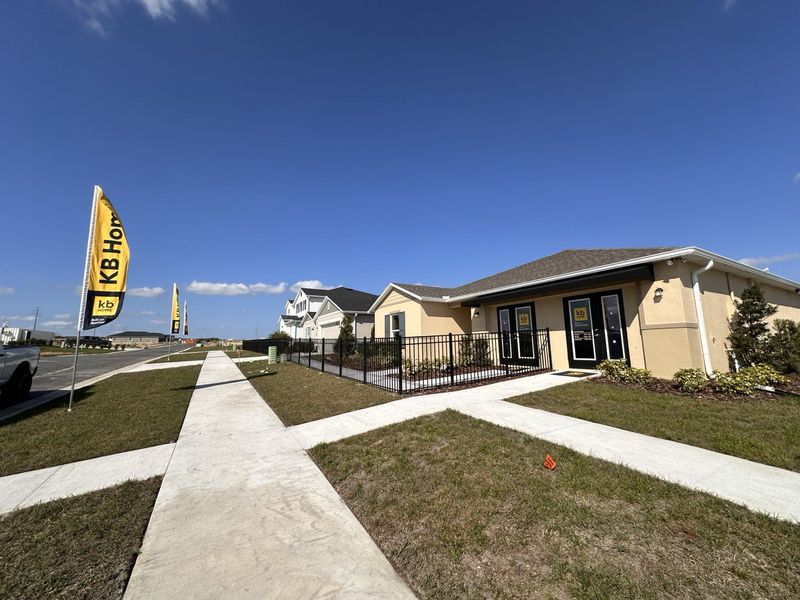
341	345
297	341
365	359
323	354
400	364
503	341
309	352
549	351
452	369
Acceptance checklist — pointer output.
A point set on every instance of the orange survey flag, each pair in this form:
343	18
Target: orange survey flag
549	462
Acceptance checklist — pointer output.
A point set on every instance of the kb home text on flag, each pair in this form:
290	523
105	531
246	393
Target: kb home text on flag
107	258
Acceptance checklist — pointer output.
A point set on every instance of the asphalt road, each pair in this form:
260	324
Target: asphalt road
55	371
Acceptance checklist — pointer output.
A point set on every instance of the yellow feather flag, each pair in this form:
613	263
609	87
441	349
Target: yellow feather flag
107	257
176	311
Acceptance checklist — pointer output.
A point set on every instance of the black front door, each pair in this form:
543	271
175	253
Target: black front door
517	326
595	326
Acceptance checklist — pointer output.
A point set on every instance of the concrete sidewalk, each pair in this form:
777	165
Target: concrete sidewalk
51	483
243	512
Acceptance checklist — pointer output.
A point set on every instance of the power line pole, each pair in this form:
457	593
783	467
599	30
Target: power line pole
35	320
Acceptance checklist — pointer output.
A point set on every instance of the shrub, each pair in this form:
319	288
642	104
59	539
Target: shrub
762	375
784	346
619	370
346	340
690	380
473	352
733	383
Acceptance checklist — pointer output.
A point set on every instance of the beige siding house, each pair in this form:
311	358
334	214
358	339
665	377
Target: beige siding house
663	308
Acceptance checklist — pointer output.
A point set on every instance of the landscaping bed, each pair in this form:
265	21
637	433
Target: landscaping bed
124	412
465	509
79	547
762	427
298	394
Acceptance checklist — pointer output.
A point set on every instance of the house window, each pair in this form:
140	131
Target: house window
396	325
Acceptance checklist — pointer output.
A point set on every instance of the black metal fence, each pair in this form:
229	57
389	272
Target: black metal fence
411	364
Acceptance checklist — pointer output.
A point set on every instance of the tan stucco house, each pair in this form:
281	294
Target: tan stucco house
662	308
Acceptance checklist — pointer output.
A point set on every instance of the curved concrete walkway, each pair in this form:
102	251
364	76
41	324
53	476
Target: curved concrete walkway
243	512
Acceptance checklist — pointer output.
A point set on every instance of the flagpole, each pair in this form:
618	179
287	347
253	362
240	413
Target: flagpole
82	308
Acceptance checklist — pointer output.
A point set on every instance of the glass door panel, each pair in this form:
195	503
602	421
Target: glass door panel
525	344
615	343
581	330
505	331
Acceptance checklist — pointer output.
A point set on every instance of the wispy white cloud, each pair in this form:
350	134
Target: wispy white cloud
763	261
12	318
61	316
6	291
235	289
157	322
314	284
797	177
146	292
98	14
728	4
56	323
147	312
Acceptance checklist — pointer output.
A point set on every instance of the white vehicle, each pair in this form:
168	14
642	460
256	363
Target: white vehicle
18	365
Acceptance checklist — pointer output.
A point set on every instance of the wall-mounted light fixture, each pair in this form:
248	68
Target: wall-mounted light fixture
670	262
659	293
476	312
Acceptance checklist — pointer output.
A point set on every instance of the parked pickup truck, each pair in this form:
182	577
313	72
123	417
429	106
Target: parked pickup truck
18	365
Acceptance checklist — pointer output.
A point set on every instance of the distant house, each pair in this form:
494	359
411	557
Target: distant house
295	309
662	308
137	338
318	313
343	301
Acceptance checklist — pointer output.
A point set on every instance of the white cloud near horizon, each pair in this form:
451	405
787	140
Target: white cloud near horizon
20	318
146	292
763	261
61	316
97	14
235	289
6	291
797	177
314	284
56	323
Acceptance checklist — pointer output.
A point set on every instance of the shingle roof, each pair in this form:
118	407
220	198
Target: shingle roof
314	291
290	317
554	265
350	300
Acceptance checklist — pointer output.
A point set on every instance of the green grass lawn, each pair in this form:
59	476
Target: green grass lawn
766	431
244	353
298	394
79	547
465	509
124	412
182	356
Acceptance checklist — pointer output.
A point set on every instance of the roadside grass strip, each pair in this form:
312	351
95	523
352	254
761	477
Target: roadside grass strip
764	431
181	356
465	509
79	547
299	395
125	412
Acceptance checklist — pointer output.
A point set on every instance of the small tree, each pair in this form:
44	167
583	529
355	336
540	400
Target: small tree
347	339
279	335
749	335
784	346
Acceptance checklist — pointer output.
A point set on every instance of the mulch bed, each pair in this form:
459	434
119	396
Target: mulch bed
667	386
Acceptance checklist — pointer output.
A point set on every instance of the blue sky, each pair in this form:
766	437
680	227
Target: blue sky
358	143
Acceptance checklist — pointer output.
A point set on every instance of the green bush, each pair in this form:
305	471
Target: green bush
784	346
619	370
762	375
473	352
733	383
690	380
